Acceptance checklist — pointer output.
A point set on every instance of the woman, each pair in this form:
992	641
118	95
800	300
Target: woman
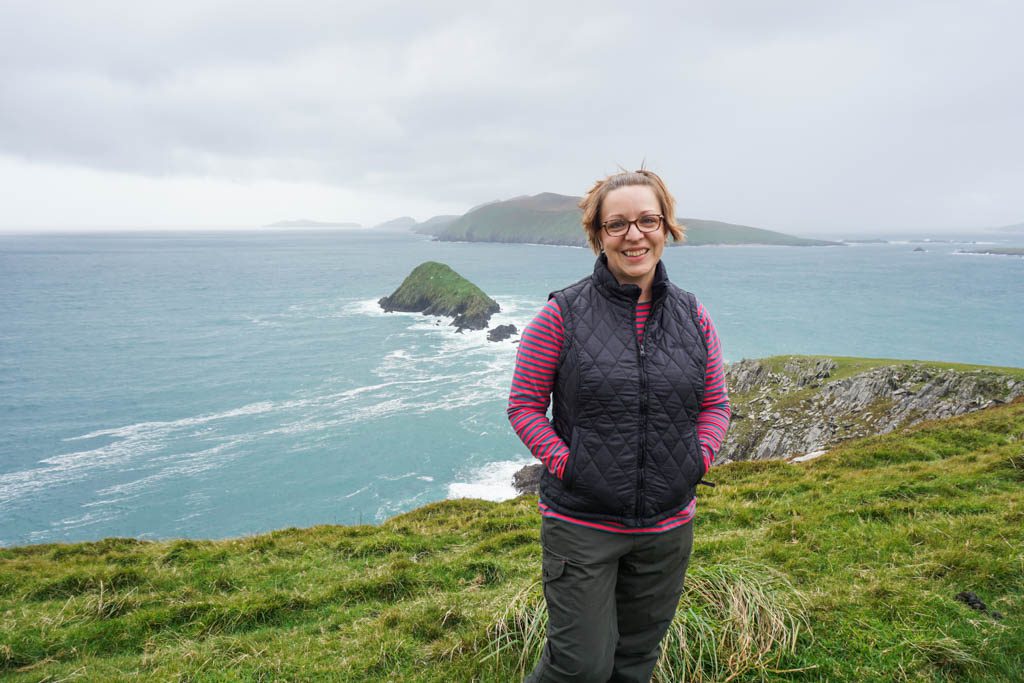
640	408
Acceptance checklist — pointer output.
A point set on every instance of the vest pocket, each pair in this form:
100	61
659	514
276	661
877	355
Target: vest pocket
570	463
696	454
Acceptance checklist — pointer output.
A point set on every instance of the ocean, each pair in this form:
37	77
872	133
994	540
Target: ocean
217	384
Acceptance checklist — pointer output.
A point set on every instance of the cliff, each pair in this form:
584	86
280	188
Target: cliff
787	406
435	289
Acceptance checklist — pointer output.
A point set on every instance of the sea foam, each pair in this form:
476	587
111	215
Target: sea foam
493	481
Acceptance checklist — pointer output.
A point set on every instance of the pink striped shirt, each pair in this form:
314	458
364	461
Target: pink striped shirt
534	380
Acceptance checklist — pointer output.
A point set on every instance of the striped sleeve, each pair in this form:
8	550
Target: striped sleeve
713	419
532	383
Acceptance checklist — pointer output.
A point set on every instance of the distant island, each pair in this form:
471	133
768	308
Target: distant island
997	251
401	223
435	223
306	223
435	289
550	218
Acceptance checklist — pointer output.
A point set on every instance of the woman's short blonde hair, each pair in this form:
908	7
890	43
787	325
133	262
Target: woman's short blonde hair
593	201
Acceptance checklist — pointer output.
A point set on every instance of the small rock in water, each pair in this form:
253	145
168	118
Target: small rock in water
501	332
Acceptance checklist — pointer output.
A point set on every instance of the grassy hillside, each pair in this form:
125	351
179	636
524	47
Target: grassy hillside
544	219
701	232
845	568
549	218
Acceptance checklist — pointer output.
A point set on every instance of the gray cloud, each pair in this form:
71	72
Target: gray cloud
798	115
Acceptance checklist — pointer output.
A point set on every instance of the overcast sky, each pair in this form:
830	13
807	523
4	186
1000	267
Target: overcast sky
807	117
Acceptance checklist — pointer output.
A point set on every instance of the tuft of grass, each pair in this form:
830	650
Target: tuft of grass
516	638
732	619
948	655
737	618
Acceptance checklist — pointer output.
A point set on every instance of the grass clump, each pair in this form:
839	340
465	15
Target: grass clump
734	619
731	619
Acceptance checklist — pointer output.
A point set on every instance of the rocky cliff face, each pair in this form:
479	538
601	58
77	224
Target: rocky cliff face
786	407
791	406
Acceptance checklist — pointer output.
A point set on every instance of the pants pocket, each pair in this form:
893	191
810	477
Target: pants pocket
552	567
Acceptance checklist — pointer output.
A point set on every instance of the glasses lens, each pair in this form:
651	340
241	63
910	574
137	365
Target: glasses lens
616	227
649	223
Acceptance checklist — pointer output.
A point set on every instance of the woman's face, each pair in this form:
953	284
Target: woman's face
632	257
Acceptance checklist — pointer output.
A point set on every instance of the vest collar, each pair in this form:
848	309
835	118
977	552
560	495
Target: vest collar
606	283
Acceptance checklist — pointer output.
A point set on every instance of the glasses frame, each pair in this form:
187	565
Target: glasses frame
636	222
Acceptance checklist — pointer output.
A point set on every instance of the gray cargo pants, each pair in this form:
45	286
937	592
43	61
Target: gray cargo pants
610	599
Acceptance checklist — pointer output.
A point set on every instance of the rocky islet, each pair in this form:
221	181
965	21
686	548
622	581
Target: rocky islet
433	288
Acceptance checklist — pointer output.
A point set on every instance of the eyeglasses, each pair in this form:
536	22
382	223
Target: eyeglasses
617	227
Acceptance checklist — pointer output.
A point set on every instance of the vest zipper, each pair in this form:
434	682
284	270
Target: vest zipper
641	461
643	436
642	457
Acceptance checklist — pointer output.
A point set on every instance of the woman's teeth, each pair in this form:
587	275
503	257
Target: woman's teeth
635	252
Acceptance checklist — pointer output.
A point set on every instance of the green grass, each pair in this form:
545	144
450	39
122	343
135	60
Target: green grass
844	568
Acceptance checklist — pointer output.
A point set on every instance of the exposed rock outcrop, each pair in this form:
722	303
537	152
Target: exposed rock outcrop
527	479
787	407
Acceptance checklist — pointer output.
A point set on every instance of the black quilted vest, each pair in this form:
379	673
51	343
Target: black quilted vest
628	411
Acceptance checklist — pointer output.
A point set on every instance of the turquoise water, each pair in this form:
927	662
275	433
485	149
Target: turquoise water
219	384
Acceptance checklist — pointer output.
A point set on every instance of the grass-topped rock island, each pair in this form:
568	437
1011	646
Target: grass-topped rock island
433	288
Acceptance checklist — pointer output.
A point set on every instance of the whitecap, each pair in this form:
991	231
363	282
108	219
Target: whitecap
132	444
357	492
399	477
369	307
144	427
182	465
